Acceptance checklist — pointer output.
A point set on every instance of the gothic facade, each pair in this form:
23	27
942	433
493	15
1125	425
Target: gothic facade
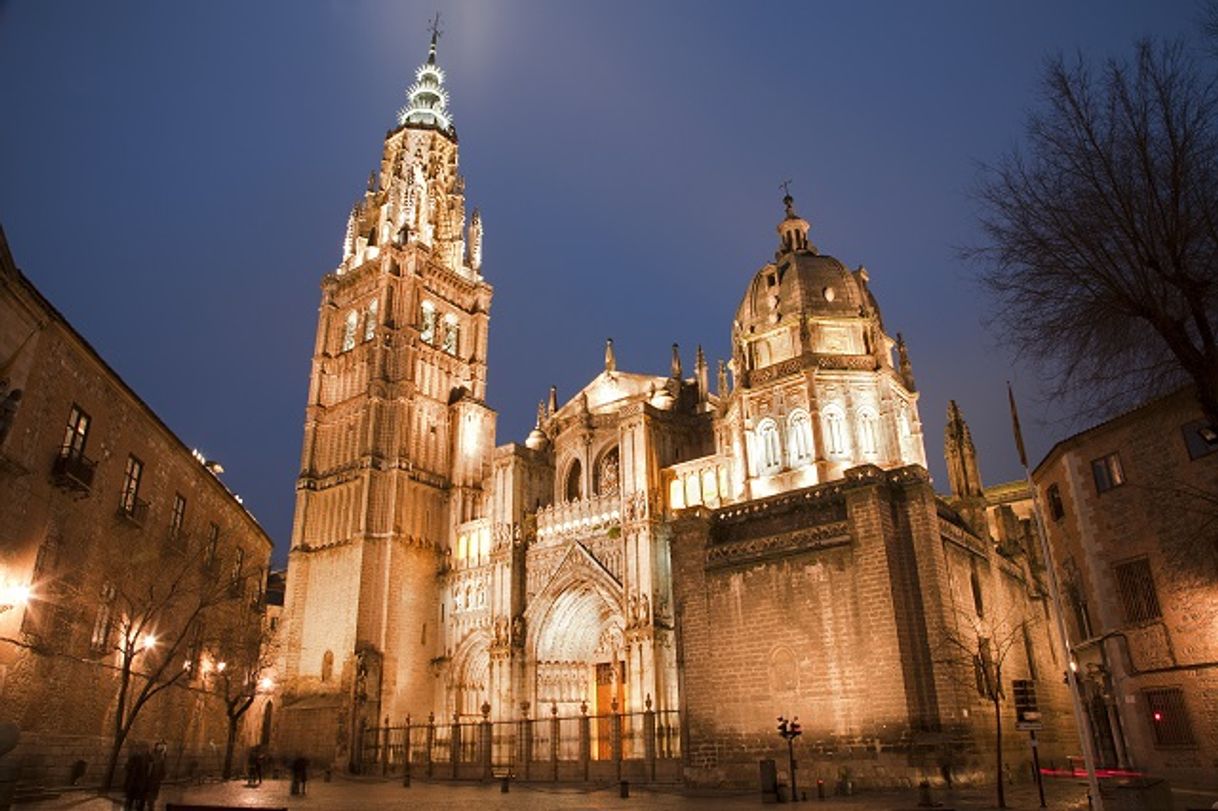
654	542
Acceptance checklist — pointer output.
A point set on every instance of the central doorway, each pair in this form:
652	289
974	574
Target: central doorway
610	684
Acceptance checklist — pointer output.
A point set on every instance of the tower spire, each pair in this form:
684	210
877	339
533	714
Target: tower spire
793	230
427	99
610	357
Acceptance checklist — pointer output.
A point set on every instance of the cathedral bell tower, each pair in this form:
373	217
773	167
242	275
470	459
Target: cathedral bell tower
397	440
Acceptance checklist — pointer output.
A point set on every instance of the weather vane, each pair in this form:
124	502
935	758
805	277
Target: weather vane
786	187
434	28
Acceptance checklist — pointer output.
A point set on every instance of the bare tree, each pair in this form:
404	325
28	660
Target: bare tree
1101	252
977	651
240	655
157	618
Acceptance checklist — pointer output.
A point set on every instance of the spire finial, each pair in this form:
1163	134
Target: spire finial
436	33
610	357
787	200
675	370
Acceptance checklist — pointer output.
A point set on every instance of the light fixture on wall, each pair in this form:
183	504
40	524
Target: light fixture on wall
13	595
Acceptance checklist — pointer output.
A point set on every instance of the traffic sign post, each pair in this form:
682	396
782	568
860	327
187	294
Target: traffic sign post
1027	716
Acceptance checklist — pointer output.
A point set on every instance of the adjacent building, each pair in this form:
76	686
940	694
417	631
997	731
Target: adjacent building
698	559
1132	520
117	543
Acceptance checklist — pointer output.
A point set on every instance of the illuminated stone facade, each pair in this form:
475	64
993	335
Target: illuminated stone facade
95	546
771	545
1131	518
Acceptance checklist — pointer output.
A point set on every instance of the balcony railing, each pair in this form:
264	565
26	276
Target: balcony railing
578	517
73	470
133	509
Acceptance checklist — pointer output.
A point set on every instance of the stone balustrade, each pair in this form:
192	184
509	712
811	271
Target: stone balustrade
705	481
578	517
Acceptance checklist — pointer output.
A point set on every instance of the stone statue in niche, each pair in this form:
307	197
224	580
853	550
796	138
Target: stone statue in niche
644	611
632	610
518	631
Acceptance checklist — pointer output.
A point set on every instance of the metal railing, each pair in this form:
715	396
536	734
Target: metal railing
73	470
570	748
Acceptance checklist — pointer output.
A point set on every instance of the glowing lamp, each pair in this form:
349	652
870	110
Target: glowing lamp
1158	716
266	683
149	641
220	666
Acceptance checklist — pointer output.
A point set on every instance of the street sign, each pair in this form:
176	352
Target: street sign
1027	715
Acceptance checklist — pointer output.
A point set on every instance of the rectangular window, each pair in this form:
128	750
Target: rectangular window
131	485
234	581
1056	509
213	543
1108	472
1029	652
1200	438
1136	587
178	516
103	626
1168	717
76	432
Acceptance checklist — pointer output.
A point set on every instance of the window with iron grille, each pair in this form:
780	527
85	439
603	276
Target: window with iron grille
1200	438
103	626
213	542
77	432
131	484
1029	652
1169	717
1108	472
1136	587
178	516
1056	508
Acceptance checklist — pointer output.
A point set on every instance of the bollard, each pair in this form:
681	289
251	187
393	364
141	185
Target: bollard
406	776
503	786
624	789
820	788
924	798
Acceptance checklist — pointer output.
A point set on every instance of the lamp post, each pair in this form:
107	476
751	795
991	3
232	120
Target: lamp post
13	595
790	730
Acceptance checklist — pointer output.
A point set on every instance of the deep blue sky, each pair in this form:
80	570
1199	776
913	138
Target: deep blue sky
176	177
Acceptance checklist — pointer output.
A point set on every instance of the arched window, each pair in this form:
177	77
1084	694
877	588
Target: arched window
370	321
799	437
770	446
607	472
868	427
327	665
574	489
427	323
835	431
349	328
449	344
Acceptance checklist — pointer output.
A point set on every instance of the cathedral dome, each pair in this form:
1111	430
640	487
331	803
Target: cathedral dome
803	282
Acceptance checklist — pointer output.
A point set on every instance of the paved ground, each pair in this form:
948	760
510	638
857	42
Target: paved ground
375	795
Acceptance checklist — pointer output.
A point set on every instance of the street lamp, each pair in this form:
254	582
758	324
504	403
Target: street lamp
13	595
790	730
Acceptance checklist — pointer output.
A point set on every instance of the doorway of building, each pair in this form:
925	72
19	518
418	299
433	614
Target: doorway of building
610	684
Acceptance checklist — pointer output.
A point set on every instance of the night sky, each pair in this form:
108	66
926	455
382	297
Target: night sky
176	178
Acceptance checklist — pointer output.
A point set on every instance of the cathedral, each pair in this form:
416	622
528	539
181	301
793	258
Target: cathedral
717	553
